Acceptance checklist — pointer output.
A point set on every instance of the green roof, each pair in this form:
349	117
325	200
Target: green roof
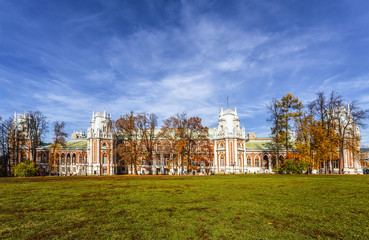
258	145
74	144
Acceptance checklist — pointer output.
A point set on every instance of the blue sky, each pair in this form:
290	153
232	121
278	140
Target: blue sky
66	57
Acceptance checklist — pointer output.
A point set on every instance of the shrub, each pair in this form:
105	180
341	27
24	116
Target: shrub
25	169
292	166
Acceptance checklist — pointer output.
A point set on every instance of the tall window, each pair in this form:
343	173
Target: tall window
248	161
265	162
143	161
257	161
74	158
105	159
335	163
222	161
80	158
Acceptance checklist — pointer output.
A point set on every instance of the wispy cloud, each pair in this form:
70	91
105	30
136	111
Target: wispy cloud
175	57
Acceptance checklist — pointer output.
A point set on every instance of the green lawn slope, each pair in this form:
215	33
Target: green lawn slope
185	207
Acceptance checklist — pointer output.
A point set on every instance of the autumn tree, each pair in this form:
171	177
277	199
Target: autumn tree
328	130
59	141
303	141
129	136
348	120
282	115
324	129
189	139
147	124
290	109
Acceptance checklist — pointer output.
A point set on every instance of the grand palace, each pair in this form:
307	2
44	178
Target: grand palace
233	151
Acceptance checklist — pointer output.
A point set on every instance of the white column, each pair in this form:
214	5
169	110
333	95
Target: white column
215	164
244	157
270	163
235	154
227	155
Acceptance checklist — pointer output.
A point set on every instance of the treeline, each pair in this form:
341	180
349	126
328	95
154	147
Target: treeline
184	138
316	135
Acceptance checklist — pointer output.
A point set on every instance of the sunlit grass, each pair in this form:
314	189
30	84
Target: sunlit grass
185	207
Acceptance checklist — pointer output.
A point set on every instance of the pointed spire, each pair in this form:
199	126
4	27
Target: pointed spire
235	109
15	115
104	113
221	110
93	113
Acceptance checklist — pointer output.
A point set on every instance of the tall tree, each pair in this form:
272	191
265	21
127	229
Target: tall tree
130	144
290	108
59	139
188	135
147	124
275	115
16	141
282	114
348	121
303	141
4	147
324	129
36	129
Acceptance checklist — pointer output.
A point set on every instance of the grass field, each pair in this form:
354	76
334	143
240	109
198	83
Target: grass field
187	207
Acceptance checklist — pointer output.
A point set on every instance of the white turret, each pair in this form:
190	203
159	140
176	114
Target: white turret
229	124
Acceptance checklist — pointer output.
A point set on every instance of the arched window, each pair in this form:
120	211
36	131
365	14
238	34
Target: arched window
257	161
44	158
63	158
68	158
222	161
239	160
105	159
74	158
265	161
248	161
39	158
104	145
221	145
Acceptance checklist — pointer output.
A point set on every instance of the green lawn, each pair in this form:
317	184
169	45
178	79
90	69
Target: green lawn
191	207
